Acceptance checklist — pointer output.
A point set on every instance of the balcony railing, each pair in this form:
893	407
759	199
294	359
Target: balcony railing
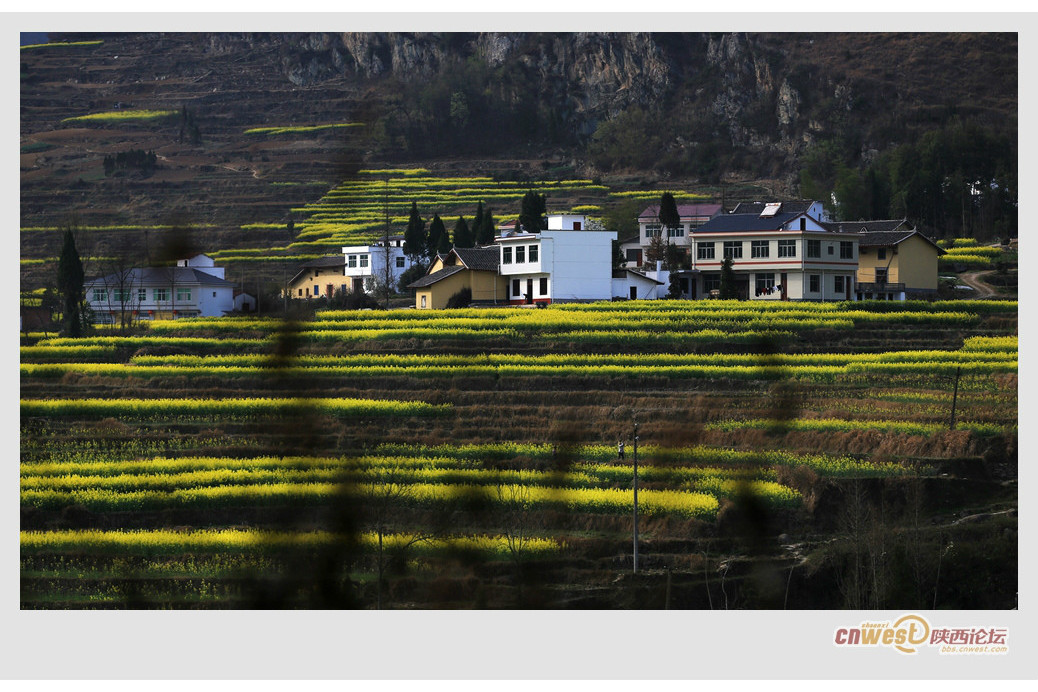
880	287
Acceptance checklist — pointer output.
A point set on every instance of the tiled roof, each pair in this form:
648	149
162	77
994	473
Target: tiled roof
797	206
868	226
745	222
485	259
685	211
891	238
165	276
330	261
430	279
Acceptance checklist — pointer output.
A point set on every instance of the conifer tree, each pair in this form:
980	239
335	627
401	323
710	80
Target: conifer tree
477	225
462	234
487	230
532	210
70	285
416	242
438	240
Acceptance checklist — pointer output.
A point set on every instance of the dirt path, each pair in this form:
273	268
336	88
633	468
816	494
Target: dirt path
974	280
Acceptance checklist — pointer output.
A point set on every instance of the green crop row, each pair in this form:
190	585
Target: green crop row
841	425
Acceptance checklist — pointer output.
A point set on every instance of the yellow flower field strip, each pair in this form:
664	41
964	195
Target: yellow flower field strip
842	425
711	481
238	408
823	366
973	261
991	343
608	500
671	457
62	44
166	542
1007	353
958	242
298	129
974	250
121	116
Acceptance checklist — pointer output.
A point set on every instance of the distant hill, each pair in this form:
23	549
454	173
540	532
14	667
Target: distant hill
646	108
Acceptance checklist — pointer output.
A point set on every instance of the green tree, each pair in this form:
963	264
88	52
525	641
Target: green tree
416	242
477	225
488	229
532	212
462	234
70	285
438	240
668	213
728	289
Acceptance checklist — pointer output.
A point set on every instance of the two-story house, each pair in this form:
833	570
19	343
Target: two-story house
563	263
195	287
366	264
692	217
895	262
779	251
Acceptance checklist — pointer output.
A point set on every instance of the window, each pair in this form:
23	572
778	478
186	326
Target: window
676	231
399	262
533	253
846	249
121	295
814	283
803	224
576	227
711	282
159	295
544	286
363	260
100	295
787	248
881	276
520	254
653	230
704	251
515	287
758	248
506	257
142	295
733	249
881	253
423	300
829	247
765	284
634	256
184	294
838	284
300	293
351	261
814	248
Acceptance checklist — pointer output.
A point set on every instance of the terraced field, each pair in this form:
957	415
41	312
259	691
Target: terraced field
468	458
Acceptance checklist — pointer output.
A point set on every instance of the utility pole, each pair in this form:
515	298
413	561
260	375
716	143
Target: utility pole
387	272
955	397
636	498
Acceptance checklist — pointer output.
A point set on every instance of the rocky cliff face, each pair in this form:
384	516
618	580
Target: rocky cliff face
759	99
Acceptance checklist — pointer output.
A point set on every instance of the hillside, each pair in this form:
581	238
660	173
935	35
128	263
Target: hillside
681	111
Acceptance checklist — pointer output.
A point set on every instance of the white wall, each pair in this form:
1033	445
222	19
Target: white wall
210	306
582	262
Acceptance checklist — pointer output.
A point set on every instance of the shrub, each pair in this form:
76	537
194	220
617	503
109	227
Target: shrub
461	299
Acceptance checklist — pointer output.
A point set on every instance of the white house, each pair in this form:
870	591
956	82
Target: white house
566	262
779	251
192	288
634	285
364	264
692	216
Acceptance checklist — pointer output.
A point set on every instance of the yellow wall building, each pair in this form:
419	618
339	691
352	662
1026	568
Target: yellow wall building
472	268
894	262
320	277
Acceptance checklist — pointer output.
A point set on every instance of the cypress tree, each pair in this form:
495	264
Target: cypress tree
416	241
477	225
532	210
487	229
462	234
438	240
728	289
70	285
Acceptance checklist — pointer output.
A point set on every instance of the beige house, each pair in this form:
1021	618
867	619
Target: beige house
320	277
472	268
895	262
